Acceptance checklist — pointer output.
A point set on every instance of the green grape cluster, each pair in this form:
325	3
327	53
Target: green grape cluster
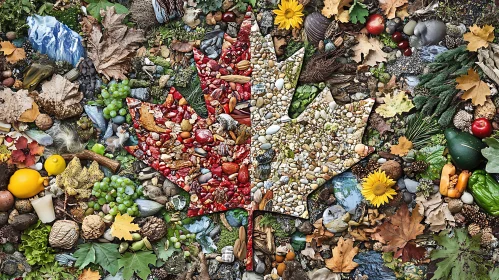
113	97
119	193
181	238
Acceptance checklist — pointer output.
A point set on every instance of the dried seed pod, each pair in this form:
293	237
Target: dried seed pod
64	234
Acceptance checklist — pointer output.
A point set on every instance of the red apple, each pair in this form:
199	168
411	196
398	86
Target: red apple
375	24
481	128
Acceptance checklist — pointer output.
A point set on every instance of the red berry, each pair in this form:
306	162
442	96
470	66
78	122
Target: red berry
408	52
403	45
375	24
229	16
397	37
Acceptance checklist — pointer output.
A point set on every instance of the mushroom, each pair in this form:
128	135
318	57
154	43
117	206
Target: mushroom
181	47
92	227
43	121
64	234
153	228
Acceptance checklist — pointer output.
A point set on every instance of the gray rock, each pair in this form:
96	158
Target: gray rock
401	184
411	185
41	137
140	93
392	25
409	27
205	178
248	275
429	53
259	265
211	44
430	32
232	29
407	197
306	227
119	120
24	221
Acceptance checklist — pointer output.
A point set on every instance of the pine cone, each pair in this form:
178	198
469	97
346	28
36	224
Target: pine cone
159	273
474	229
359	171
153	228
473	215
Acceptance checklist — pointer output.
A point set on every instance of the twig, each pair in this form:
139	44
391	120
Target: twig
67	214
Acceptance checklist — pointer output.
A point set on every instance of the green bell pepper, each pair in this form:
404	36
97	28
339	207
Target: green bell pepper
485	191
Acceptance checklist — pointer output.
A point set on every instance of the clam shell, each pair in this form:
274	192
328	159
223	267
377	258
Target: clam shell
315	27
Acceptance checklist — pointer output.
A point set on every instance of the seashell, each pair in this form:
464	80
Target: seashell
266	157
315	27
228	123
72	75
263	171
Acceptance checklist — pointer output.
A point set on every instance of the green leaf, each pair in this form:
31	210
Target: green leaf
95	6
491	153
461	257
103	254
159	249
358	12
433	156
252	2
137	263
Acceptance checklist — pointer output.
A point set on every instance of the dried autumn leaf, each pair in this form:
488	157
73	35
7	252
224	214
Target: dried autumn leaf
343	254
112	50
476	89
379	123
479	37
123	226
397	104
390	6
30	114
436	212
368	51
89	274
410	252
319	234
60	97
14	104
337	8
12	54
147	120
402	12
402	148
400	229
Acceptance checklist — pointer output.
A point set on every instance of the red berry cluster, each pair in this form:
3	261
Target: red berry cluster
402	43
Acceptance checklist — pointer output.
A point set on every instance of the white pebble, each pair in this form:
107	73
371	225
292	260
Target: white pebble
467	198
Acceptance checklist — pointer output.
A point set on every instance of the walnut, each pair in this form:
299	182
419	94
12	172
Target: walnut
153	228
44	121
93	227
64	234
474	229
462	120
392	169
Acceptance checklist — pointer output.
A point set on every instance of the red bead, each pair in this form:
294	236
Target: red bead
403	45
397	37
408	52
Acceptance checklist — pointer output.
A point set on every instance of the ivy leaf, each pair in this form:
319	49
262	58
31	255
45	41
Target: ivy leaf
137	263
95	6
103	254
491	154
358	12
122	227
461	257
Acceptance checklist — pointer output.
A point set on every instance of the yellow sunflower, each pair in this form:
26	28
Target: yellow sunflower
377	188
289	14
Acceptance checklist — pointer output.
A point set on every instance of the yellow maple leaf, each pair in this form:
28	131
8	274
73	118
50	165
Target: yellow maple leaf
479	37
368	51
402	148
390	6
122	227
89	274
12	53
396	104
337	8
343	254
475	89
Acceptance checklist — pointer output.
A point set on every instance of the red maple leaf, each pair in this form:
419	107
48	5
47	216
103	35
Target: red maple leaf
25	154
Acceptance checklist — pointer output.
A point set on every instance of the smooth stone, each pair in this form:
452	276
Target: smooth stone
266	146
259	102
252	276
411	185
272	129
382	160
407	197
200	151
335	219
204	170
41	137
262	139
409	27
346	191
259	184
268	115
268	184
467	198
279	83
119	120
140	93
400	183
430	32
284	179
205	178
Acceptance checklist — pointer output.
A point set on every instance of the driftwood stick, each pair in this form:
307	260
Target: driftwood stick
112	164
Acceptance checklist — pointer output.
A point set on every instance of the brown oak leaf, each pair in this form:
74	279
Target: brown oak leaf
11	52
112	50
320	234
60	97
410	252
123	226
479	37
368	51
337	8
390	6
343	254
475	89
402	148
400	229
436	212
14	104
379	123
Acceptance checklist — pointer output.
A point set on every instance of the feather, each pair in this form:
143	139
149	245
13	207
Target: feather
65	139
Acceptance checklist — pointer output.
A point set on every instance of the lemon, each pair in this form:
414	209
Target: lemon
55	165
25	183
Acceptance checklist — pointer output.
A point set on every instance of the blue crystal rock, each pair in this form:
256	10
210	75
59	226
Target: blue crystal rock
53	38
371	264
346	191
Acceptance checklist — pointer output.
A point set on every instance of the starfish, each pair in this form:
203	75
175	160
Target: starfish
294	157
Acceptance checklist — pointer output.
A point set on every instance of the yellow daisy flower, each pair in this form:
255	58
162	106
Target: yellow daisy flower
289	14
377	188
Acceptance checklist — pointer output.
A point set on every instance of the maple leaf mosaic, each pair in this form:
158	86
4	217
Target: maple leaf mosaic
272	165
